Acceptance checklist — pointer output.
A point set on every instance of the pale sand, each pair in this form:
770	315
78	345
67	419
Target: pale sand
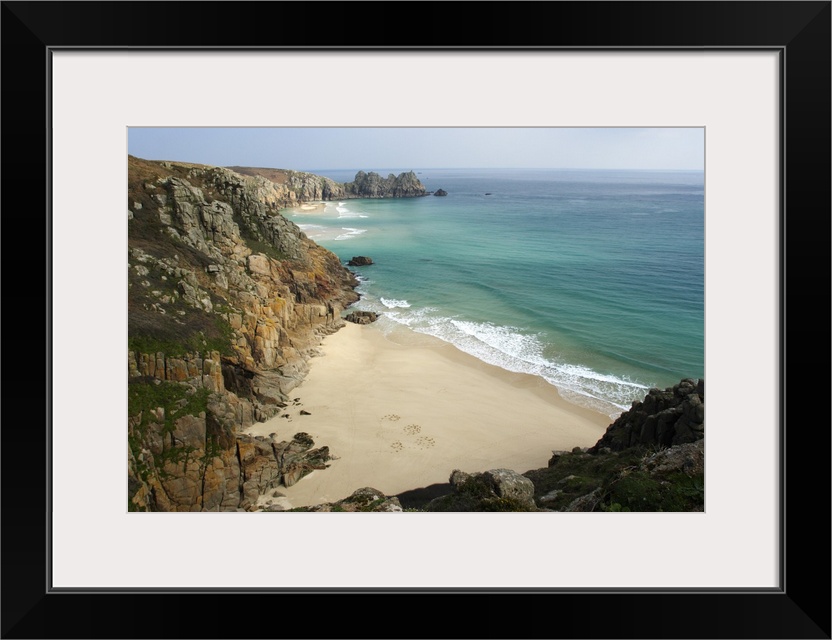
403	416
308	207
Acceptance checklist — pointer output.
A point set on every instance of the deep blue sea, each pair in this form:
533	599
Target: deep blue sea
593	280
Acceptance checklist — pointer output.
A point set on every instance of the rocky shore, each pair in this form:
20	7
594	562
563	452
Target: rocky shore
228	301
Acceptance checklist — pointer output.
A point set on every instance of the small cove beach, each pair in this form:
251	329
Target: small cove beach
402	411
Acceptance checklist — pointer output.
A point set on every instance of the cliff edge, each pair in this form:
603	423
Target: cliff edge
227	301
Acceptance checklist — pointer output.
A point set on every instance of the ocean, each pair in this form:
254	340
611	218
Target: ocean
592	280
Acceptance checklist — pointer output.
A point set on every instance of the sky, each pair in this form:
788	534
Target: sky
307	148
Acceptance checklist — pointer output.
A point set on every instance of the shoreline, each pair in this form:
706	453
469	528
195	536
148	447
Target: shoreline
307	207
403	414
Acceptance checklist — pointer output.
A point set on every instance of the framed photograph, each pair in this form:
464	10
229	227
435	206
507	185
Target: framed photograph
753	76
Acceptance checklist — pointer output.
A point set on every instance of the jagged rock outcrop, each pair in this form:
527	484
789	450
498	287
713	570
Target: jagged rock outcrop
360	261
300	186
673	416
494	490
442	192
650	459
372	185
227	300
175	471
361	317
668	480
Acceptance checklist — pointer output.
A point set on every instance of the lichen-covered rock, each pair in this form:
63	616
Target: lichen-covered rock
493	490
372	185
229	299
511	485
686	458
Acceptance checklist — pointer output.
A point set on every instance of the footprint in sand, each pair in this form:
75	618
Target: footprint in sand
425	442
412	429
396	446
392	417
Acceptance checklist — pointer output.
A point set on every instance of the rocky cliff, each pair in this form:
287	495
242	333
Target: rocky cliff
372	185
652	458
227	302
298	186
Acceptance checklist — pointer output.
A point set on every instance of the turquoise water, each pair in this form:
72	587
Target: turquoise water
593	280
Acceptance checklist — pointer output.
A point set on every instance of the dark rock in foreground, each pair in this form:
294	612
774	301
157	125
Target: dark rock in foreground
440	192
418	498
361	317
636	479
665	418
360	261
494	490
652	458
365	499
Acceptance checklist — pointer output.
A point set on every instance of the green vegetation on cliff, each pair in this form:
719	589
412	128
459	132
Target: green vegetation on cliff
227	301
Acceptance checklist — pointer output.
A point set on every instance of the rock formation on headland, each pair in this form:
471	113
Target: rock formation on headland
372	185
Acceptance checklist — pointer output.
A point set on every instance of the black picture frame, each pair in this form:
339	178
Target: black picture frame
799	31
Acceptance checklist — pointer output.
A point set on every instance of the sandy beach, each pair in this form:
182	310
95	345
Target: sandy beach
308	207
402	412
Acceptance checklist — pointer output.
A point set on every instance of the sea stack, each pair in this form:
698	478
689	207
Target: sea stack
360	261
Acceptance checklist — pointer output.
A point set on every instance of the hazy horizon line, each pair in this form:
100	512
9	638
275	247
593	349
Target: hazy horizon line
313	169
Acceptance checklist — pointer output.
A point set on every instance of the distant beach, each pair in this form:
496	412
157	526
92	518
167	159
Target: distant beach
307	207
402	411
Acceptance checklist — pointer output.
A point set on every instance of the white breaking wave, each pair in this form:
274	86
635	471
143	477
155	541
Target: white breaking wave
393	304
511	349
344	212
350	233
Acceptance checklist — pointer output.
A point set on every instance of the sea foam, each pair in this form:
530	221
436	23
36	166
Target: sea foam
553	279
350	233
513	350
344	212
394	304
